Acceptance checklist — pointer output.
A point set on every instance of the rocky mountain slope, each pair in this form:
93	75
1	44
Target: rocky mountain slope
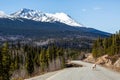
45	17
112	62
36	24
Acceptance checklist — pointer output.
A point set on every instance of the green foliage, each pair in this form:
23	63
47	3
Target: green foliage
30	63
42	59
18	57
110	46
5	63
63	63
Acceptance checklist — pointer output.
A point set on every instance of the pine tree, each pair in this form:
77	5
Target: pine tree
1	65
5	62
110	46
42	59
29	62
94	50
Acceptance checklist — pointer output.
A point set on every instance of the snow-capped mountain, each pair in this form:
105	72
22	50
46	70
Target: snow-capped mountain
36	24
2	14
45	17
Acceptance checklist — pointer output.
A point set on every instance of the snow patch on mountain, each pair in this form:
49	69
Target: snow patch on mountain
64	18
45	17
2	14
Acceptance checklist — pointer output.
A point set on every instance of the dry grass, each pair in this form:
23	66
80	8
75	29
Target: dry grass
18	79
117	69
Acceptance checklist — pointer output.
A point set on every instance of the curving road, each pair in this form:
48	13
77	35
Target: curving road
80	73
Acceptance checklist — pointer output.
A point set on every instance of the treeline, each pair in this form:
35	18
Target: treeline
18	60
110	46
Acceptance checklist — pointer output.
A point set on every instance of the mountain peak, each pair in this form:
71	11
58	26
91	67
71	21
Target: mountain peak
2	14
26	13
46	17
25	10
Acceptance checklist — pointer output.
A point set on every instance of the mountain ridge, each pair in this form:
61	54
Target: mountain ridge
15	25
44	17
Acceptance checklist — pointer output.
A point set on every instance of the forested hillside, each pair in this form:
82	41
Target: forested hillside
110	46
38	30
24	60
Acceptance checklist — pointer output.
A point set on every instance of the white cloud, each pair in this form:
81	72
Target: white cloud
97	8
2	13
84	10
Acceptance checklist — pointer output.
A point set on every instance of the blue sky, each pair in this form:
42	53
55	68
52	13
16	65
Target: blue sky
99	14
